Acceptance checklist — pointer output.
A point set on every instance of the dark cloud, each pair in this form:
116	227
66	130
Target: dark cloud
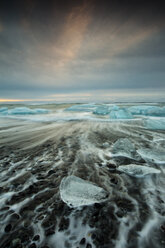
65	46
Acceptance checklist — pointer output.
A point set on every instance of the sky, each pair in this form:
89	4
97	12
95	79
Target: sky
82	50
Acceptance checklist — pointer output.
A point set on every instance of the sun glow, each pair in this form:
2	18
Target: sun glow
12	100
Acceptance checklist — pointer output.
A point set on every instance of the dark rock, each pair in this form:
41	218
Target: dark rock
114	180
5	208
8	228
48	222
33	245
100	239
82	242
27	223
64	224
25	234
51	172
36	237
125	204
88	246
98	205
67	244
49	232
40	217
15	216
162	228
40	209
31	187
6	163
93	236
1	189
16	243
111	166
120	213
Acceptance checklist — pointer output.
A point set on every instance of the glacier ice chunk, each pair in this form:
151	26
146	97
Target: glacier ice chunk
114	107
155	124
101	110
4	109
120	114
77	192
124	147
152	155
26	111
147	110
137	170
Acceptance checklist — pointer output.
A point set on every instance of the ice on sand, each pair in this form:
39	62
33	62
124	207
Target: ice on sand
77	192
4	109
155	124
25	111
137	170
124	147
101	110
153	155
147	110
120	114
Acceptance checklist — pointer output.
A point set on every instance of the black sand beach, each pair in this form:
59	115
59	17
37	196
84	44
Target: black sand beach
36	156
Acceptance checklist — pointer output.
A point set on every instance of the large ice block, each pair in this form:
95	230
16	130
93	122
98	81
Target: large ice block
120	114
138	171
155	124
124	147
3	110
147	110
77	192
153	155
26	111
101	110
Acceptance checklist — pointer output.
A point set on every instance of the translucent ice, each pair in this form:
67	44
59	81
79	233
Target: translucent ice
147	110
77	192
155	124
120	114
124	147
4	109
153	155
25	111
137	170
101	110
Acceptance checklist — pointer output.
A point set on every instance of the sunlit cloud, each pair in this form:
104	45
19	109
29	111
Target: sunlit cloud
71	38
11	100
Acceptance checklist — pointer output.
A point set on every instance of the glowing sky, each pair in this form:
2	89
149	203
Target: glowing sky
82	50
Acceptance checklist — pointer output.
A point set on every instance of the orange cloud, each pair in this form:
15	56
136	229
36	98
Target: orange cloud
11	100
73	32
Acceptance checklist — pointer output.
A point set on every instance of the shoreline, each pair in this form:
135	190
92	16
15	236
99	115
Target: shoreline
34	159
